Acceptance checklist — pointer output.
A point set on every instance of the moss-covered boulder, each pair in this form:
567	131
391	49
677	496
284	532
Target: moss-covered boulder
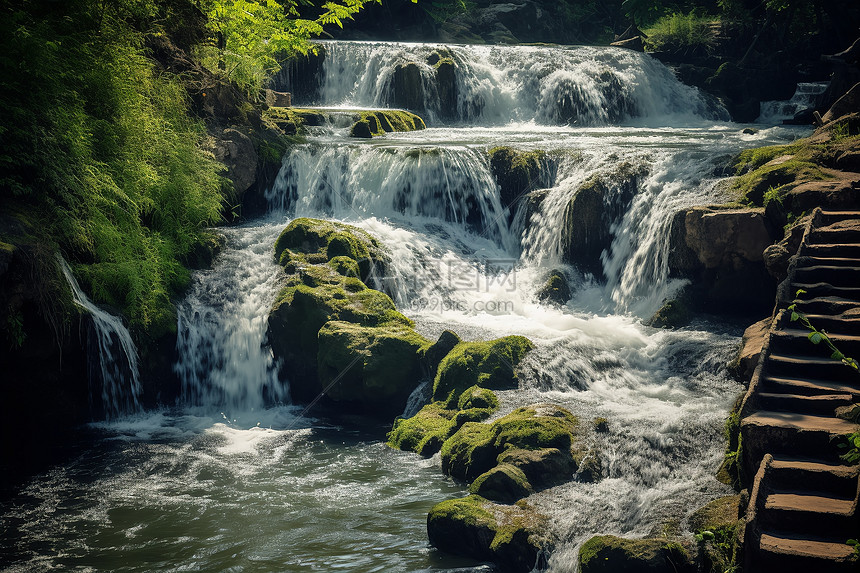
512	536
555	289
673	314
717	526
408	87
504	483
322	259
475	448
610	554
375	123
375	368
589	216
426	431
543	467
518	172
433	356
486	364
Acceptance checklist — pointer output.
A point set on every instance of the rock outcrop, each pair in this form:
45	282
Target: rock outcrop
611	554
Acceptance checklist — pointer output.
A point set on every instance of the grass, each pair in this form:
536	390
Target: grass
681	32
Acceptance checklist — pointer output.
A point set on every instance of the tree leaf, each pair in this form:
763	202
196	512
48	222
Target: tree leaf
814	337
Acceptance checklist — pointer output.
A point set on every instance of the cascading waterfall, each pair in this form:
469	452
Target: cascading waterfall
497	84
234	478
223	361
117	372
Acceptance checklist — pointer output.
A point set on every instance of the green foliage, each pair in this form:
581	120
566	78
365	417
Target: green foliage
251	33
818	336
679	32
102	147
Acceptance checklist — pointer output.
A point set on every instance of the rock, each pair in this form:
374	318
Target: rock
446	87
376	123
274	98
715	515
519	172
447	341
848	161
721	252
635	43
588	218
543	467
610	554
744	364
486	364
300	74
408	87
205	250
474	448
503	483
673	314
847	104
776	257
556	289
511	536
589	467
374	368
236	150
721	518
426	431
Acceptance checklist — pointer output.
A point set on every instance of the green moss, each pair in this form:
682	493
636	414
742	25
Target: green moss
477	397
469	452
504	483
609	554
555	289
374	366
380	122
424	432
753	186
516	171
486	364
751	159
342	265
673	314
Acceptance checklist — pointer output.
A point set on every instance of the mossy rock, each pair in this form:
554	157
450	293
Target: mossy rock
544	467
376	123
475	448
315	241
511	536
375	368
717	514
673	314
504	483
446	342
517	172
555	289
611	554
424	432
486	364
477	397
720	518
775	175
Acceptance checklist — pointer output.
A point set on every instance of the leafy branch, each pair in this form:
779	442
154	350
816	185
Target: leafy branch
818	336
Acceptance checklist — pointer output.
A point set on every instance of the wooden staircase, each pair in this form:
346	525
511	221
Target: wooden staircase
804	501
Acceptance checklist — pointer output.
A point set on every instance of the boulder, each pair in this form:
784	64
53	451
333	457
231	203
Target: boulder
486	364
720	517
847	104
374	368
744	364
236	150
588	218
673	314
721	252
446	86
776	257
556	289
375	123
543	467
519	172
273	98
511	536
408	87
504	483
433	356
611	554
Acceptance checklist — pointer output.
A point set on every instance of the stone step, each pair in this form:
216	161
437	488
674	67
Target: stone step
784	553
821	404
809	512
830	216
843	260
835	235
791	434
791	340
821	289
830	306
834	325
786	473
835	275
806	366
850	251
808	386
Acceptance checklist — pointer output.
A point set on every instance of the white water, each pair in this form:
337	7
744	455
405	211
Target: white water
235	479
118	375
579	85
806	96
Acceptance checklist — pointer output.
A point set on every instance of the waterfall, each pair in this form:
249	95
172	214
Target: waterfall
117	372
493	85
223	361
807	96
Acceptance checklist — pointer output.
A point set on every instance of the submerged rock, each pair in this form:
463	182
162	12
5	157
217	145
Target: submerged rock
673	314
374	123
611	554
519	172
512	536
